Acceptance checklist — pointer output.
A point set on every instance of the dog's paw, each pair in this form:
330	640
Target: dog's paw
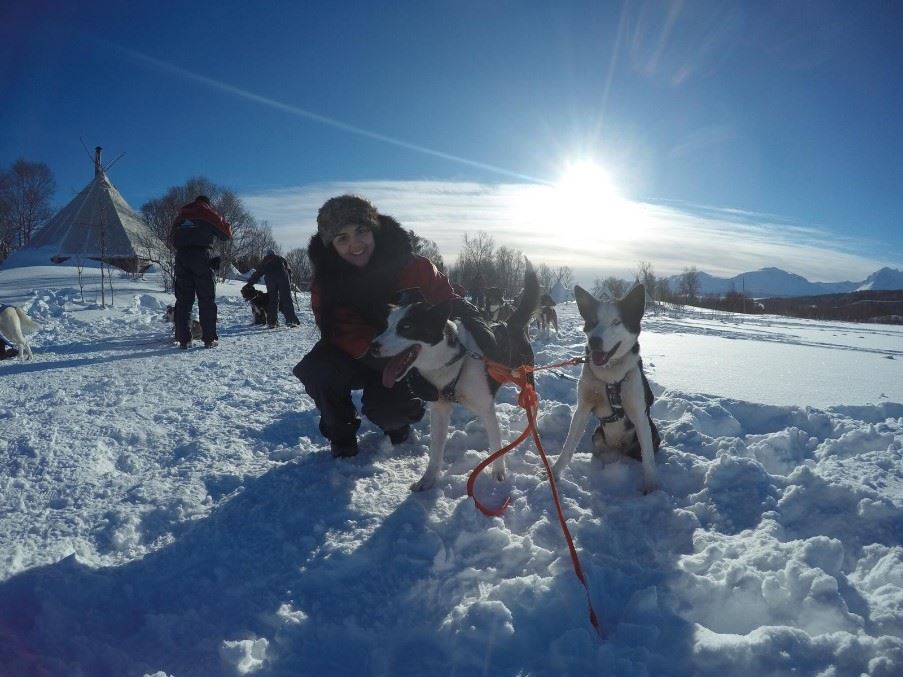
649	486
499	474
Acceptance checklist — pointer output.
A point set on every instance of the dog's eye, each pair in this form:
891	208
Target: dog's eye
404	326
589	326
616	322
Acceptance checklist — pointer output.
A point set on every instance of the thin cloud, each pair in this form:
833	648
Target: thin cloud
308	115
721	242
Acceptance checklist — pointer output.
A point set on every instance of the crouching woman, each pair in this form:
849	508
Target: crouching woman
361	260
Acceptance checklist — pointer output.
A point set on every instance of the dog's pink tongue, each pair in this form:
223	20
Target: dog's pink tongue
599	357
398	364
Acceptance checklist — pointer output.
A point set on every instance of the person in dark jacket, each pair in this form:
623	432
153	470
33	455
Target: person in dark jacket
362	261
193	234
275	271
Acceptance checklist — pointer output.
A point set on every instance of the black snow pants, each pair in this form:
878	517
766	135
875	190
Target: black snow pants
280	293
194	277
329	376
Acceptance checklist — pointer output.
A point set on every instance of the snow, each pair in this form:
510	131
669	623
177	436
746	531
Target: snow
169	512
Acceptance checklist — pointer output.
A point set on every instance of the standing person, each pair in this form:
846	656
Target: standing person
193	234
275	270
362	260
478	293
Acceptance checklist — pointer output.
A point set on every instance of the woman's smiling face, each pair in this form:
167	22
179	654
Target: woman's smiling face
354	243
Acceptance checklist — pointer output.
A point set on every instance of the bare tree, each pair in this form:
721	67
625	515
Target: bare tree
426	247
509	270
7	230
474	259
301	269
26	193
243	223
611	286
646	274
663	291
565	276
545	276
252	244
688	285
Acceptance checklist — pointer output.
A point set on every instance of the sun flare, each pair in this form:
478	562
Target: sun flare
586	200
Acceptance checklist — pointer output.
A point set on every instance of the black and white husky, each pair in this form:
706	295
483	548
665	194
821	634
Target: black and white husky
612	385
421	336
15	325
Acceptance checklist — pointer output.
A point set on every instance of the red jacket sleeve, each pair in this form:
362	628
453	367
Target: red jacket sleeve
421	272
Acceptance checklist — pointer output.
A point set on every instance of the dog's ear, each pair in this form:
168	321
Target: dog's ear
632	307
442	310
586	304
438	315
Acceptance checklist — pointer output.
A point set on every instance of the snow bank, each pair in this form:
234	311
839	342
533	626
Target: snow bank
171	512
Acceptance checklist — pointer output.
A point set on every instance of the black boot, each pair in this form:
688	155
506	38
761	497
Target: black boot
399	436
344	449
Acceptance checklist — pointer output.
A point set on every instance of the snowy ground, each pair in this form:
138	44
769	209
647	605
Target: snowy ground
177	512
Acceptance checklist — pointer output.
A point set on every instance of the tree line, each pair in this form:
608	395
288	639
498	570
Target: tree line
27	189
26	194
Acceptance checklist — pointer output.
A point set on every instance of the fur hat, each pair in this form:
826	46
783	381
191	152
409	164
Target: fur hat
338	212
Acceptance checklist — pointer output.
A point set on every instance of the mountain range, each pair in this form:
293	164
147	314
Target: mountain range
774	282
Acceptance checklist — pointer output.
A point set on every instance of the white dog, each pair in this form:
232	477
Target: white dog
421	336
14	325
612	385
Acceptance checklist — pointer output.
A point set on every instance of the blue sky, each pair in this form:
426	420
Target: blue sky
733	136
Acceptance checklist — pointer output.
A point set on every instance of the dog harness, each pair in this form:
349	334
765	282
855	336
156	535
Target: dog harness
613	391
448	392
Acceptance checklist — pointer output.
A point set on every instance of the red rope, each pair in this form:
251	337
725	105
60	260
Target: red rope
529	400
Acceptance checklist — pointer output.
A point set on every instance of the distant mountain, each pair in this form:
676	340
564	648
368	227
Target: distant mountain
886	278
774	282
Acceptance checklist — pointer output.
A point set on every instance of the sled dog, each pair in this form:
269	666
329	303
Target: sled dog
496	308
14	325
613	385
546	315
170	316
258	300
421	336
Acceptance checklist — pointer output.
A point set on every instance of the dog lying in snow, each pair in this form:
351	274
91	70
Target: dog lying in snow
421	336
15	325
170	316
612	385
259	300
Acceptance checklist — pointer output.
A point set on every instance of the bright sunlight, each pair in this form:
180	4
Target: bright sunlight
583	208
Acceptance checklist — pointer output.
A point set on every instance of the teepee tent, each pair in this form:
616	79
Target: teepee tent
99	224
559	292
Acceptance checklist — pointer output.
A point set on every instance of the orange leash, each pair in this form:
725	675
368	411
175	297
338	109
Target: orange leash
529	400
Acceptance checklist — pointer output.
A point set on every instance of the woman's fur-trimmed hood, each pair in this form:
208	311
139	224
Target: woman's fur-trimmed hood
367	290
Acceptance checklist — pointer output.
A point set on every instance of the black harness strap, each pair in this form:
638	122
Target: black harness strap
448	392
613	391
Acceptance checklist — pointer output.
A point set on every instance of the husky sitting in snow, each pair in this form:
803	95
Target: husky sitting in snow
421	336
14	325
612	385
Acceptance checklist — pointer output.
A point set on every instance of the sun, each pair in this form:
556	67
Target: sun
584	202
584	205
585	181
